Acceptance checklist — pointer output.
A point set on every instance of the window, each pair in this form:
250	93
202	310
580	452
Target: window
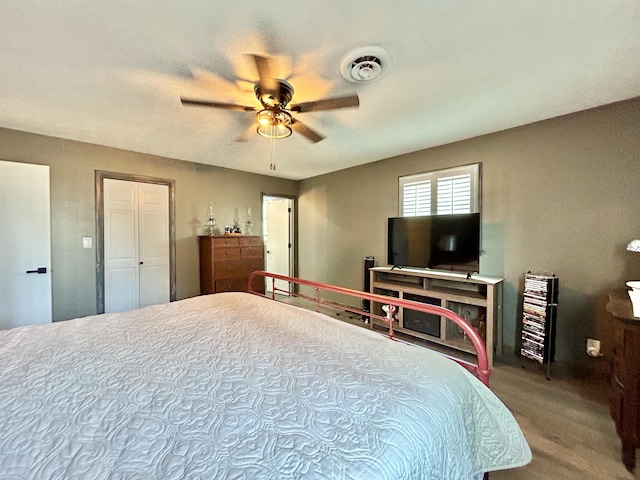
442	192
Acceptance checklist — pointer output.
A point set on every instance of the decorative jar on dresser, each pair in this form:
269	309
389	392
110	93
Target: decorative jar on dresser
625	377
227	261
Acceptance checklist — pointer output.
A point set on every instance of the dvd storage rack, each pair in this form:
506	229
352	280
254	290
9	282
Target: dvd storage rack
539	309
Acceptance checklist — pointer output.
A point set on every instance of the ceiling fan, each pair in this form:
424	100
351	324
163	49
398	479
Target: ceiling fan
274	117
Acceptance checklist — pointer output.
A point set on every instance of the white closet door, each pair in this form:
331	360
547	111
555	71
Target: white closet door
153	214
122	269
136	244
25	245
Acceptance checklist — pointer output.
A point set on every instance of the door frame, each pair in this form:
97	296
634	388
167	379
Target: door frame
100	175
293	219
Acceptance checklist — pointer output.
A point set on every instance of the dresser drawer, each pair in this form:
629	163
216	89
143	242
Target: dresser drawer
232	285
251	265
251	241
252	252
229	269
237	268
258	284
222	242
223	254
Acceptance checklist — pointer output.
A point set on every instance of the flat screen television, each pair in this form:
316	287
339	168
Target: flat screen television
443	242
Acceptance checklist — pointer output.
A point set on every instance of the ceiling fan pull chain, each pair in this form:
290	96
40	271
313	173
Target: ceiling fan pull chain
273	148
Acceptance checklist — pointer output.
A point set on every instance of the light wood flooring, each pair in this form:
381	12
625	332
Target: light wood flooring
566	423
565	420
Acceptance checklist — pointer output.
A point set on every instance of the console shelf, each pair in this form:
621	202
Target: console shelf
476	298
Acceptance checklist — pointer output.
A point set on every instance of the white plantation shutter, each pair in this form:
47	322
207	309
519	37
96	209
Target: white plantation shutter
454	194
417	199
441	192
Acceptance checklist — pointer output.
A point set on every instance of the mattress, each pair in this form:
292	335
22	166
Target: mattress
234	386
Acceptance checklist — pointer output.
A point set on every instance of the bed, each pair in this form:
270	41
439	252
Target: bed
238	386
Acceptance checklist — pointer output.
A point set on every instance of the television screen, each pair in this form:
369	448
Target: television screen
444	242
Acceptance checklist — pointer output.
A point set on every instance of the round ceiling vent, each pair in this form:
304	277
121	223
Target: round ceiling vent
365	64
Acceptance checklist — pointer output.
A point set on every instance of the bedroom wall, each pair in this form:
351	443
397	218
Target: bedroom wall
72	167
561	195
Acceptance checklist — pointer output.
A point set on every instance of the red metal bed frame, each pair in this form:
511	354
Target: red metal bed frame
480	369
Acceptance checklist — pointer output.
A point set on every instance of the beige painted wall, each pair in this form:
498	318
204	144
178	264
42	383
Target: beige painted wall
561	195
73	207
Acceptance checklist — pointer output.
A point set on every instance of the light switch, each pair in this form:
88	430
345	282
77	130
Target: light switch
86	242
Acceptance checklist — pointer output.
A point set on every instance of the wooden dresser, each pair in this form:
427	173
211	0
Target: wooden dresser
226	263
625	378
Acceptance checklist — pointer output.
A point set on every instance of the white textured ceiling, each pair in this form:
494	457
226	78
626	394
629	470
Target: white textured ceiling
112	72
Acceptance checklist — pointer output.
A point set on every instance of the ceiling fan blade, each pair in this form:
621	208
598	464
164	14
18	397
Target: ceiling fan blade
247	134
268	82
327	104
306	131
206	103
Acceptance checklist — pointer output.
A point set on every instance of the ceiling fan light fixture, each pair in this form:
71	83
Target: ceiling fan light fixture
274	123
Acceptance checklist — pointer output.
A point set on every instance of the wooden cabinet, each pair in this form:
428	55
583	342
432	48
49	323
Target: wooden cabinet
476	298
624	398
226	263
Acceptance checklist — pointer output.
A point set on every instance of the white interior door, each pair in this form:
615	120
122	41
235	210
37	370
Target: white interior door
25	245
278	233
136	244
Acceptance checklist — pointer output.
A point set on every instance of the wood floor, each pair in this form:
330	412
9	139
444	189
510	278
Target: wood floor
566	422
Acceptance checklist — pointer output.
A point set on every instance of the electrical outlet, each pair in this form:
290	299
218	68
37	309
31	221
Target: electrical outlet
593	347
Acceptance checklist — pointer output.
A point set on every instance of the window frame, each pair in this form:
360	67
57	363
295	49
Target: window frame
432	176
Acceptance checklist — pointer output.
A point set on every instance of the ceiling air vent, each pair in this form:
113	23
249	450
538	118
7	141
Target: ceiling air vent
365	64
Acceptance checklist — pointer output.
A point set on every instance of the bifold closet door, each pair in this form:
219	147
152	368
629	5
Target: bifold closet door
136	244
153	232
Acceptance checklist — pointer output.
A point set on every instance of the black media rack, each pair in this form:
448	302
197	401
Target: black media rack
539	311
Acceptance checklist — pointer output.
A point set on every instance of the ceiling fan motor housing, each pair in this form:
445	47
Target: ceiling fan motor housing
280	96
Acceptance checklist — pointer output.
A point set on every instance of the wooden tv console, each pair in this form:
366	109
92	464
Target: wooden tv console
476	298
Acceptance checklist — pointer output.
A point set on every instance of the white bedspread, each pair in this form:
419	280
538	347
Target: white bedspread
233	386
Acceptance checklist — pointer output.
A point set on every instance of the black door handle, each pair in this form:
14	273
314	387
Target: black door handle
39	270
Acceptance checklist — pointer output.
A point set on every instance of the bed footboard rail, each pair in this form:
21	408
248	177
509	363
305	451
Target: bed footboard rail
480	369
